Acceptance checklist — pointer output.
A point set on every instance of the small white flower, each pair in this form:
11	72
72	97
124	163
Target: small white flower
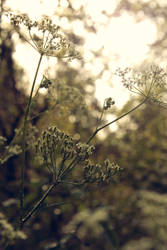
45	37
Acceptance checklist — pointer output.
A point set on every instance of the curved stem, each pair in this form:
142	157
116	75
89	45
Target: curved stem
118	118
24	142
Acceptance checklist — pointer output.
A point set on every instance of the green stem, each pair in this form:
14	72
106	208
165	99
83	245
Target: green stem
115	120
24	142
39	203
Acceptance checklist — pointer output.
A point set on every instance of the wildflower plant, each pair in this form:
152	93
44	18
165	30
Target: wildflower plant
108	102
148	83
56	149
100	172
48	40
45	36
45	83
60	153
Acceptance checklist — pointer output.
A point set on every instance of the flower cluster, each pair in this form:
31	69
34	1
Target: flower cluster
55	148
84	151
60	153
100	173
45	36
108	103
149	83
45	83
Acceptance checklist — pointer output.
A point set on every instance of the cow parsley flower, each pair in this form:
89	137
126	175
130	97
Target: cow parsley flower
45	36
56	148
149	83
97	173
84	151
108	103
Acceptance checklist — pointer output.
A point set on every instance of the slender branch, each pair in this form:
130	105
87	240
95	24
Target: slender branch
38	204
24	142
118	118
68	168
36	46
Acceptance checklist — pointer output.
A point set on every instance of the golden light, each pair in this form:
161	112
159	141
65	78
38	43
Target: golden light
122	41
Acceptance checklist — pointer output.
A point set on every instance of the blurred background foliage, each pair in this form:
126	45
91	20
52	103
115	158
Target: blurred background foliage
128	214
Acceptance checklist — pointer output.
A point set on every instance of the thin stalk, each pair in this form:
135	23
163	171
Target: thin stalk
24	142
74	161
39	203
118	118
68	168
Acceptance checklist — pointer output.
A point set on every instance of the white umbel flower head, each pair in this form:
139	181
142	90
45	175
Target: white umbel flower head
45	36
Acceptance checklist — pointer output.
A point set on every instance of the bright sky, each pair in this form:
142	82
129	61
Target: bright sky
123	41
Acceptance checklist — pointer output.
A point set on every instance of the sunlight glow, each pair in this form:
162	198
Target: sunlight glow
34	8
121	40
95	9
128	39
